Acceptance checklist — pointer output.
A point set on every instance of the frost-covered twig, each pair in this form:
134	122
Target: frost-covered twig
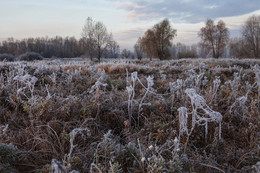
3	129
96	88
131	93
183	120
235	83
57	167
241	101
95	166
216	84
53	77
175	87
150	84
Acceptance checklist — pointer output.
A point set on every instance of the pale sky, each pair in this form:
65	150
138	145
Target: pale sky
126	19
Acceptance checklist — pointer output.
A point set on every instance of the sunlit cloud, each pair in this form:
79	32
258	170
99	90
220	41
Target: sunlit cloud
130	6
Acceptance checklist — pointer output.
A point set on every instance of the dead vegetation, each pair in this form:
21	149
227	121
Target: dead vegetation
125	116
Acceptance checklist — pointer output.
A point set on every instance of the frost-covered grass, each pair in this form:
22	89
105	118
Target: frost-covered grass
188	115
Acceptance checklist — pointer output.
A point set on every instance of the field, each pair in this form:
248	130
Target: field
189	115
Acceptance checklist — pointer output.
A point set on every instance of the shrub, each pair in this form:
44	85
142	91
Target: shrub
6	57
30	56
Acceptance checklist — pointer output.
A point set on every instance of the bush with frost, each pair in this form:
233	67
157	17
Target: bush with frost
256	70
208	115
30	56
239	106
158	161
131	93
7	57
235	84
106	154
216	84
201	114
66	165
176	91
26	82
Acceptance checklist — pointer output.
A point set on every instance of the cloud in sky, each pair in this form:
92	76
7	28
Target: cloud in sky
191	11
128	37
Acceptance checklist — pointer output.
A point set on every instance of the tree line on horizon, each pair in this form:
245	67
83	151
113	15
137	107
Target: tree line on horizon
156	43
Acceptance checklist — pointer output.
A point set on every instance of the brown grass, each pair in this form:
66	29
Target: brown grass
73	68
118	68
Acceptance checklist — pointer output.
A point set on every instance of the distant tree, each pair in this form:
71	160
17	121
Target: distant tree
138	49
156	41
47	47
89	38
23	47
148	44
203	51
102	39
251	34
164	33
95	42
126	54
186	51
113	50
97	38
214	37
239	48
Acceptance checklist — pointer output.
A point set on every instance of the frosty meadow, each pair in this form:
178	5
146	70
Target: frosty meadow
199	115
174	89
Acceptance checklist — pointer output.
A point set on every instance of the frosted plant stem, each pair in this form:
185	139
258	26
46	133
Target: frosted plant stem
94	165
173	97
140	105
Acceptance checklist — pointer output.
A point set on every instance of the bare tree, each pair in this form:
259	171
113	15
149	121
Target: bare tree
222	38
113	50
186	51
251	34
214	37
138	49
97	38
102	39
239	48
88	37
125	53
156	41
